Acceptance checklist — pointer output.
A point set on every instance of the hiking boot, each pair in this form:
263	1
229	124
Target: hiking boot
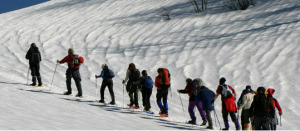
225	129
67	93
209	127
112	103
32	84
40	85
162	111
192	122
204	122
238	128
101	101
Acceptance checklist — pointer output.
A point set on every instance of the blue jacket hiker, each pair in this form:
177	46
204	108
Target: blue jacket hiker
107	75
146	86
207	96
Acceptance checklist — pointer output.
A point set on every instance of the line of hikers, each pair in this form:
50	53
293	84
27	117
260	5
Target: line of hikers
258	108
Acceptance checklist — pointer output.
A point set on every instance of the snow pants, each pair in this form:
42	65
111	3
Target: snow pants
133	94
162	94
75	74
198	104
35	73
261	123
109	84
146	93
209	119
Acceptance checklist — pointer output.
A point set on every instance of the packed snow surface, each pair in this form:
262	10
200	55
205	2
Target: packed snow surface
257	47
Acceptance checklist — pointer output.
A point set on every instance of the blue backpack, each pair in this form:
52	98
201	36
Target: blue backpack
148	82
110	74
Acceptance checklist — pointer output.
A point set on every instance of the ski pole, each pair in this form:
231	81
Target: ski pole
96	90
123	94
27	75
181	102
280	121
53	76
217	118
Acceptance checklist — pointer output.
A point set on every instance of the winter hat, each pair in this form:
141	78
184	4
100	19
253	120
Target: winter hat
189	80
271	91
33	45
104	66
261	90
144	73
248	87
222	81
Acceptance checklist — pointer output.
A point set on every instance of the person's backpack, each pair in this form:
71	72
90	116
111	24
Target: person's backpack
148	82
135	75
262	103
35	58
226	91
75	60
110	74
167	76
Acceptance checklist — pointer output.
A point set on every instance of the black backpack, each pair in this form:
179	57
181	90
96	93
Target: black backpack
35	58
261	103
135	75
75	60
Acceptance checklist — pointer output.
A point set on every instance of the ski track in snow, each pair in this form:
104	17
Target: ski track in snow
257	47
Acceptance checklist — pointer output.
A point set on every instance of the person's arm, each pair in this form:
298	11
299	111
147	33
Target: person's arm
278	107
244	102
101	75
28	54
63	60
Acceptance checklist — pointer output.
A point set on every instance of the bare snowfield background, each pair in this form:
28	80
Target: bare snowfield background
257	47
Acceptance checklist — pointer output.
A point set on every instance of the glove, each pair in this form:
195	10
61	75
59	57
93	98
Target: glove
123	82
212	101
96	76
58	61
238	108
280	113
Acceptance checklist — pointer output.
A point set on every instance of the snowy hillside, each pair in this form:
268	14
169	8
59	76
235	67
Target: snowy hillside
257	47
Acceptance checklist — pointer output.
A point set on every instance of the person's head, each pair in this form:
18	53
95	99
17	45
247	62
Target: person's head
33	45
222	81
131	66
160	71
198	82
189	81
144	73
271	91
104	66
70	51
261	90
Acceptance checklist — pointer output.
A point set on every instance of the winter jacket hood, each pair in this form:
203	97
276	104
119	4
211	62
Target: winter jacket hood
271	91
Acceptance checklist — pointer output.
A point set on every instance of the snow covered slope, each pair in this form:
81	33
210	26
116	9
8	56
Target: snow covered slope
257	47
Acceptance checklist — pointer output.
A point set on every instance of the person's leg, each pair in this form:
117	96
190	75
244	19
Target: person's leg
33	74
39	78
111	91
225	119
235	120
192	105
144	95
209	119
158	100
131	91
201	112
68	81
136	97
165	100
77	79
102	89
148	103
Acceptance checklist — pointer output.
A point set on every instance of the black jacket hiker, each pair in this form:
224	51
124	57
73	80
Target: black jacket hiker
34	57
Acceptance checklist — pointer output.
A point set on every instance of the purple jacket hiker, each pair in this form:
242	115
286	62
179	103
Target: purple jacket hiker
192	102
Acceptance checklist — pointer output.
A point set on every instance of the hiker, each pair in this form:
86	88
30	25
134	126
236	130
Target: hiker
34	57
275	103
262	110
133	78
189	89
245	105
146	87
74	61
107	75
228	103
206	95
162	82
245	91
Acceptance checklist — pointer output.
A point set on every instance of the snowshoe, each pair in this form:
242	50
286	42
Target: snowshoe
164	115
32	84
134	107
